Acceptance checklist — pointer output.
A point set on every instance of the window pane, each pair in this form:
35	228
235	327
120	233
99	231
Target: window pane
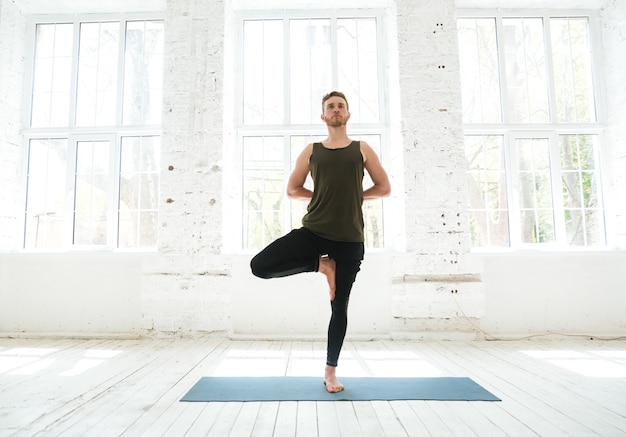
571	55
487	190
96	95
527	85
52	73
46	188
310	52
143	72
480	77
583	219
357	50
535	190
263	88
263	190
139	191
93	188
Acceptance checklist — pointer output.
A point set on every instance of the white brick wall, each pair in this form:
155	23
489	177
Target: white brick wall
187	288
613	84
11	73
437	230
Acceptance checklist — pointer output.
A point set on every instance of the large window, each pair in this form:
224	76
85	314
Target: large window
289	62
532	132
93	139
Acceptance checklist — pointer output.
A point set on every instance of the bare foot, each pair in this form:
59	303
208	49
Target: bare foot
328	267
331	382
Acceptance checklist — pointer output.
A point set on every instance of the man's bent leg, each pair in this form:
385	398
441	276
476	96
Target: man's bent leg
291	254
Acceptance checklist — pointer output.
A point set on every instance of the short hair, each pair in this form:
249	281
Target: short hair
335	94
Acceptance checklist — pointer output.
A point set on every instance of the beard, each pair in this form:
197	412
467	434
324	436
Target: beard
336	121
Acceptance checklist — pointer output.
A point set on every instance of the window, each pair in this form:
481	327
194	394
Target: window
94	134
532	137
288	63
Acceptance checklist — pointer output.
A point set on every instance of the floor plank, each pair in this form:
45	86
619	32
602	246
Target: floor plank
306	420
266	420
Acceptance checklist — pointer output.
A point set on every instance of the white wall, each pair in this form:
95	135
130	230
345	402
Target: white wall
565	293
70	294
433	286
100	294
12	24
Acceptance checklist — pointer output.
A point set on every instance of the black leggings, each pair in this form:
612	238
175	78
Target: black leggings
299	251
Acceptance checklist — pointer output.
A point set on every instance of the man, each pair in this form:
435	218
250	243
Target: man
331	238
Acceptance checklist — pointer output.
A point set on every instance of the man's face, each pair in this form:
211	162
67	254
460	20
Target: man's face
335	111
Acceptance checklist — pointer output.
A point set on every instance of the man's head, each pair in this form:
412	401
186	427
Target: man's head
334	94
335	109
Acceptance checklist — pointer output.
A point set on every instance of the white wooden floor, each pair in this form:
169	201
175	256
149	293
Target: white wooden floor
133	387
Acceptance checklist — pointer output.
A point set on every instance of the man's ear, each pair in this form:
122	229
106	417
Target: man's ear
323	117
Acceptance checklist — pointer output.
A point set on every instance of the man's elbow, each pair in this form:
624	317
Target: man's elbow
291	192
385	190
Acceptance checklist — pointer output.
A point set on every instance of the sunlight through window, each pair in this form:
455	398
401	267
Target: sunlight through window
33	368
81	367
595	364
24	359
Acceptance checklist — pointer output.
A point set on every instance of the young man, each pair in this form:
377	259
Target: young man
331	238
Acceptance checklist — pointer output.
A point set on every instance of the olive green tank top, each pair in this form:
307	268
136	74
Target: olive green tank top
335	211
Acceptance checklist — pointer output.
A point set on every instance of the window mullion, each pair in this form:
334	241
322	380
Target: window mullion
119	117
557	190
550	68
382	76
504	108
74	79
286	72
240	77
114	191
286	173
70	199
598	141
599	91
510	164
334	51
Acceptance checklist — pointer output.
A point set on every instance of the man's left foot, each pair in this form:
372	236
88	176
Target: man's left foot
331	382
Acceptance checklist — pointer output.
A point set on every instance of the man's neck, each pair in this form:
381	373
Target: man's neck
338	135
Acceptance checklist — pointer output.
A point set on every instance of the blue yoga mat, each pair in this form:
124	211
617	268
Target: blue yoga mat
295	388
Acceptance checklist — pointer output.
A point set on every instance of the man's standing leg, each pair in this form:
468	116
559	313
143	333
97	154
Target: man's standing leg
345	274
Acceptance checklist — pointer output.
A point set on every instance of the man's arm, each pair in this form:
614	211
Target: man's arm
382	186
295	186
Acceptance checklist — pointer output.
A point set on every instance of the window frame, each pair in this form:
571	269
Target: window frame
551	130
288	130
73	134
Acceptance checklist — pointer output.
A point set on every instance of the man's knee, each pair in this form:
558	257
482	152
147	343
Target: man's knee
256	266
339	305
